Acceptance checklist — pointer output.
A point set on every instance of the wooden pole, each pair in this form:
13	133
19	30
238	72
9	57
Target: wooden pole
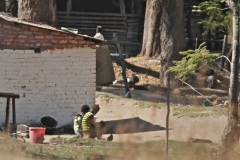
122	6
133	7
168	112
223	51
123	63
14	112
196	44
7	115
69	7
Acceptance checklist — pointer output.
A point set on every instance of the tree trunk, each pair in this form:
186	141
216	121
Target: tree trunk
172	35
151	34
12	7
230	137
38	10
164	33
2	6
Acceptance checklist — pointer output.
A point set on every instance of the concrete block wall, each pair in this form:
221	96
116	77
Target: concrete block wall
50	83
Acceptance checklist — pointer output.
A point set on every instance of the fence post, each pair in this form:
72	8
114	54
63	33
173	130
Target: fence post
196	44
69	7
123	63
168	112
223	50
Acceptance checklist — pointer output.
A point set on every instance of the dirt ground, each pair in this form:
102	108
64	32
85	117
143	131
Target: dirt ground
180	128
153	121
129	121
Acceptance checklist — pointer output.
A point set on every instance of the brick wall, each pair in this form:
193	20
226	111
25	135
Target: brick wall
52	84
21	36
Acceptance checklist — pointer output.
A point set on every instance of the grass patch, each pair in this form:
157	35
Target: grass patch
199	111
179	111
107	95
88	149
146	104
140	103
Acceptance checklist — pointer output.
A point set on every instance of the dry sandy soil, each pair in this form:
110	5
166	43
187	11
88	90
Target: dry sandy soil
181	128
140	124
149	123
128	120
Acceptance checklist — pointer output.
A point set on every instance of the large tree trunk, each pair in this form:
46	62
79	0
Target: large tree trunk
172	33
164	33
2	6
38	10
230	137
151	34
12	7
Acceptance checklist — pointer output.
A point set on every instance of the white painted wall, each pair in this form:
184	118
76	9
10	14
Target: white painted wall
55	84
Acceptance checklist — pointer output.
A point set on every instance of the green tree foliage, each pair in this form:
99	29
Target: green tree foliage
216	18
185	68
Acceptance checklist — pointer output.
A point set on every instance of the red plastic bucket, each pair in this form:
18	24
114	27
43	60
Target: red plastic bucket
36	134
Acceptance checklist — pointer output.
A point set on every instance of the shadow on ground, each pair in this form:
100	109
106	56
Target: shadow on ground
141	70
130	125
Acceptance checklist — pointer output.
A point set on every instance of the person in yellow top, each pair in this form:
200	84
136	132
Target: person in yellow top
90	128
77	126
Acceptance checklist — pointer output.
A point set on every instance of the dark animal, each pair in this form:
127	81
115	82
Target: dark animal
132	81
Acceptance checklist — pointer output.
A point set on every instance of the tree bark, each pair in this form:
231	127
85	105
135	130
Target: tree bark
172	35
38	10
230	137
151	34
164	33
12	7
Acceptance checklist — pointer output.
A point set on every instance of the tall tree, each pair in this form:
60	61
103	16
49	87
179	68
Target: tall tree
38	10
12	7
164	33
230	137
216	20
151	33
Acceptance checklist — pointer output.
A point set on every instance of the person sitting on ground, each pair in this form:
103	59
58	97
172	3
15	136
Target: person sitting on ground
90	128
78	120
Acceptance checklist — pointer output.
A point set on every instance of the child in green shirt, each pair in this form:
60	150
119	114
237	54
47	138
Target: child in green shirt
77	126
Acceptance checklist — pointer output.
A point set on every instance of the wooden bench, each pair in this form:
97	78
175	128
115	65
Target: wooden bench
10	96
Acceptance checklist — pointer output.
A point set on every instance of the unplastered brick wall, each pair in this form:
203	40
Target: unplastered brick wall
51	83
21	36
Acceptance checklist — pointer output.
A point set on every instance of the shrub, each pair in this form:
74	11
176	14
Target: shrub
185	68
